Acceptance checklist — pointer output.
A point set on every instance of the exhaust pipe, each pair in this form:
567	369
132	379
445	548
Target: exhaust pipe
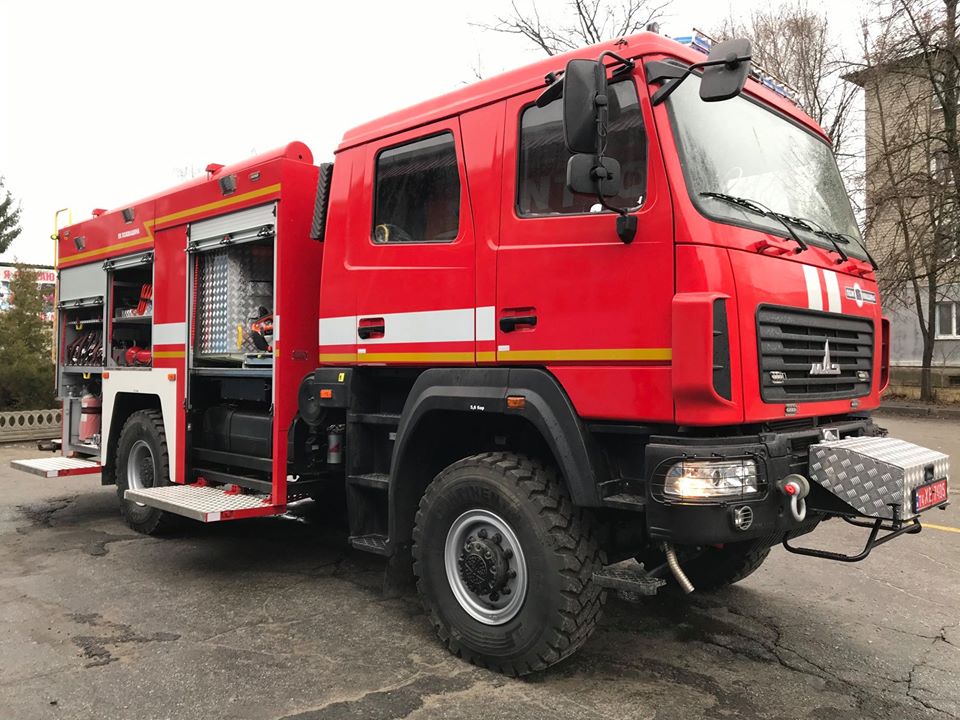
682	580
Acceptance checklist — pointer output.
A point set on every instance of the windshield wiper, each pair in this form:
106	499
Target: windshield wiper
816	228
845	237
760	209
834	237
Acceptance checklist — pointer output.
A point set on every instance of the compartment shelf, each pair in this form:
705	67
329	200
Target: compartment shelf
93	369
134	319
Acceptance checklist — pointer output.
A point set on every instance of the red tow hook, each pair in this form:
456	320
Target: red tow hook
796	487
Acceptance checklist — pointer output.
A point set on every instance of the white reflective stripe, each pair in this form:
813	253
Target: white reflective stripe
170	333
814	296
338	330
430	326
276	329
486	323
426	326
833	291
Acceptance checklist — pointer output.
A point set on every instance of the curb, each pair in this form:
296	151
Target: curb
930	412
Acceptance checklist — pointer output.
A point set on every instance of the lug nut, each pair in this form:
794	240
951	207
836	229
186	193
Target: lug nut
482	533
508	553
506	591
494	596
512	574
470	538
498	538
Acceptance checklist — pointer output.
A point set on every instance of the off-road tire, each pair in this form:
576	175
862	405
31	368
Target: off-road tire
146	425
562	604
715	567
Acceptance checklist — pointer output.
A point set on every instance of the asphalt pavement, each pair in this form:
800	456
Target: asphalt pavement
275	618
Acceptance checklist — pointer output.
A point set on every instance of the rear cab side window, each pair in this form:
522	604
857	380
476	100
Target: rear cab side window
542	172
417	192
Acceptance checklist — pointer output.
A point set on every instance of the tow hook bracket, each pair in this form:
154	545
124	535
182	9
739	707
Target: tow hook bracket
894	529
629	580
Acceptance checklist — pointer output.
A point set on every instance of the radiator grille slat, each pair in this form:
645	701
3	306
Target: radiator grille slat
790	341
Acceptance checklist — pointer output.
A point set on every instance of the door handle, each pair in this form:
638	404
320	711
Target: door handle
371	328
516	322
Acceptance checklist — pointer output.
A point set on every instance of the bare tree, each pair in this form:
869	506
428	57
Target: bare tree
586	22
911	72
798	46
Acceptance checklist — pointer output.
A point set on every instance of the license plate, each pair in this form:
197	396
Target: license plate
929	495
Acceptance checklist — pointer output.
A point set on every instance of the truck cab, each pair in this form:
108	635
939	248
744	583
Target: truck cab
602	323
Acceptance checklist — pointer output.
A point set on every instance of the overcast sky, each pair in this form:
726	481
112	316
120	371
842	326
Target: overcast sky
102	103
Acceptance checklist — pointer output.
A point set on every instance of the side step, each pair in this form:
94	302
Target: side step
371	543
205	503
628	579
57	466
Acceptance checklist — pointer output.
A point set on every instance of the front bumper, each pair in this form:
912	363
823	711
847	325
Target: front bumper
856	472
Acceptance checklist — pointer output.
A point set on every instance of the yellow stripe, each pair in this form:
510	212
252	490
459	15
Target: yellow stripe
338	357
259	192
148	225
486	356
457	357
612	354
945	528
169	354
103	251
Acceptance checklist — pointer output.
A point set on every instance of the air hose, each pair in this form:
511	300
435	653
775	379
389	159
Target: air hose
682	580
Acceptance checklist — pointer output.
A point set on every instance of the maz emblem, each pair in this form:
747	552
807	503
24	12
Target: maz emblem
825	366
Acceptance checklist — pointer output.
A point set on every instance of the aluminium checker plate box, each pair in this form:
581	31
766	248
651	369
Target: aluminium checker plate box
876	476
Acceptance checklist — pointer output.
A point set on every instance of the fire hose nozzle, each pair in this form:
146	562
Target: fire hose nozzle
796	487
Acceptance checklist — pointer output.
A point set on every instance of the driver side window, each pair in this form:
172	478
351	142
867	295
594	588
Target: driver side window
542	174
417	192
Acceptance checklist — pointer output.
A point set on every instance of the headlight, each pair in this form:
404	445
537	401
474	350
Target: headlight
711	479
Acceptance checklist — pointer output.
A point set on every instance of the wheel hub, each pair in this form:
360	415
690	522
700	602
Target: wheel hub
483	566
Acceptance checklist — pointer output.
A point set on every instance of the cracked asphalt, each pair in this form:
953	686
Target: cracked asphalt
275	618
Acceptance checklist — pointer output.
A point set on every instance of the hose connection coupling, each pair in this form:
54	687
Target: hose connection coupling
796	488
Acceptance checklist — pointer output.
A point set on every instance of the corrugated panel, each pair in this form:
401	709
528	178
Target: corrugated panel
251	219
83	281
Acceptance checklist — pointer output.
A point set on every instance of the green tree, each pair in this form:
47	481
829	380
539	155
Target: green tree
9	218
26	368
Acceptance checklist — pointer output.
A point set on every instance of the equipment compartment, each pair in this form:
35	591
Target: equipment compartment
233	294
131	311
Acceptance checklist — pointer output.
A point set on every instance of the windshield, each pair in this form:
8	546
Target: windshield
739	147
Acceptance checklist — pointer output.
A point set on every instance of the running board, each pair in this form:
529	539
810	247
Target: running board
57	466
205	503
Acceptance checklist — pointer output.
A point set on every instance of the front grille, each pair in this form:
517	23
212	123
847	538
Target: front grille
791	341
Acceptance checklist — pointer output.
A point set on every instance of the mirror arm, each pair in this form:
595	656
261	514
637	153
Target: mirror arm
623	62
667	90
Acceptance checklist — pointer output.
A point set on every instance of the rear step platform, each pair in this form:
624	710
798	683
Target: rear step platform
57	466
205	503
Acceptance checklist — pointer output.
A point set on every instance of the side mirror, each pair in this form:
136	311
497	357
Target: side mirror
726	78
590	175
584	93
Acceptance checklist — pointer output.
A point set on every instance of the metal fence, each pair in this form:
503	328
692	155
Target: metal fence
30	425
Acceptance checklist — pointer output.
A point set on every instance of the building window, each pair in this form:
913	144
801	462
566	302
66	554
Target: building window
948	322
417	195
542	183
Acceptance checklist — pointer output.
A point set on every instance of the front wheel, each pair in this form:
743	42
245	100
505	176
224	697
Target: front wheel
504	564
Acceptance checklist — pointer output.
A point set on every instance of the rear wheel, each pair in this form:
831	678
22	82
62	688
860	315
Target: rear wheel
142	462
504	564
714	567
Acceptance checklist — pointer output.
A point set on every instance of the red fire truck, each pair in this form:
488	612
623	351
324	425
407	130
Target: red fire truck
602	323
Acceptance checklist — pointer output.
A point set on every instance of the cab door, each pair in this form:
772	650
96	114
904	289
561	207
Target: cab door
413	262
570	294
